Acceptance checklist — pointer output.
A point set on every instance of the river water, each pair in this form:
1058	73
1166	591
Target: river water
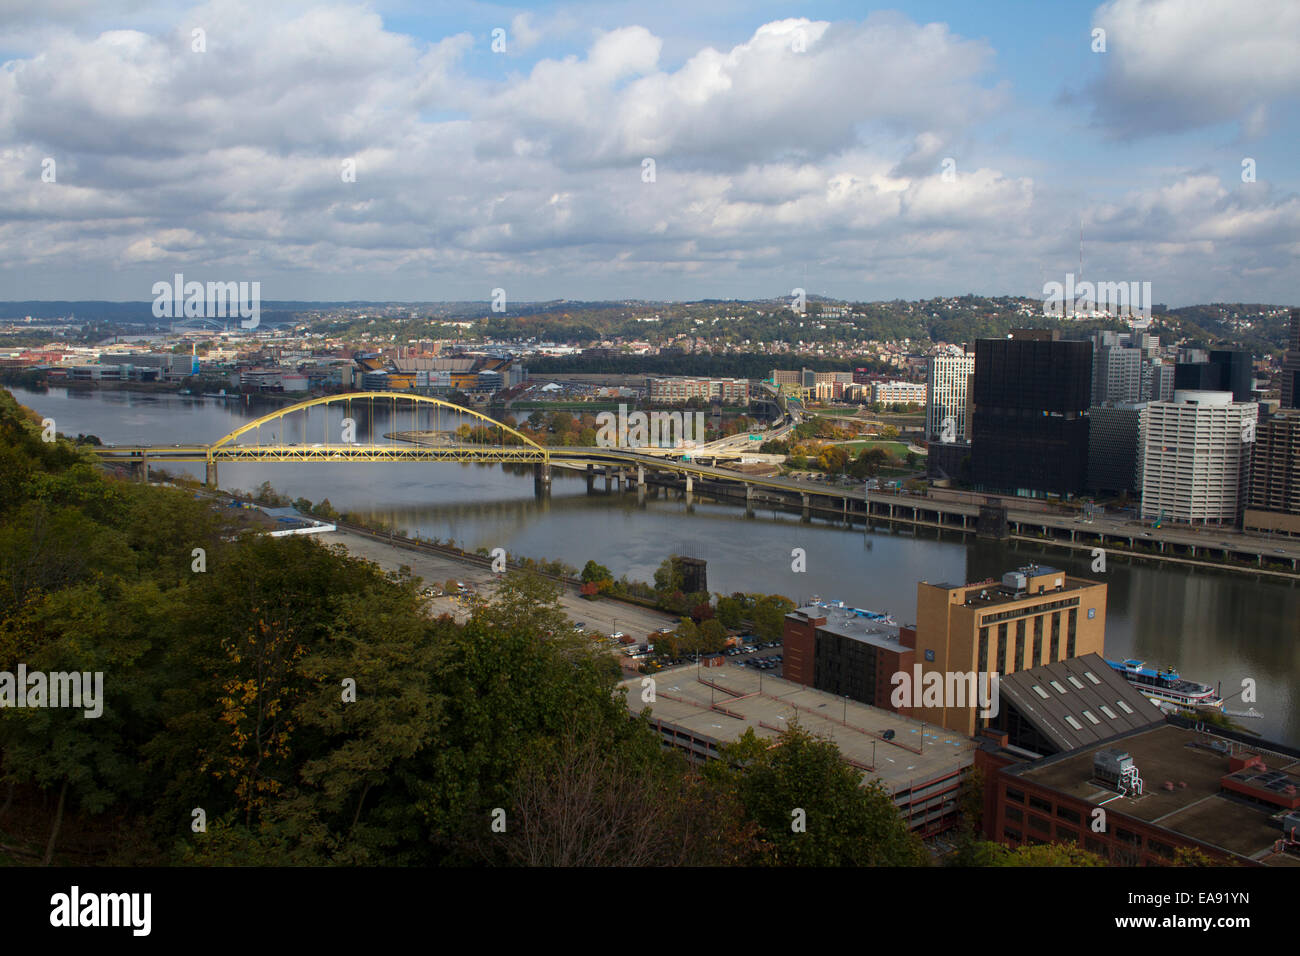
1214	626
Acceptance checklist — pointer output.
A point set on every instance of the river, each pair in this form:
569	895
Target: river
1214	626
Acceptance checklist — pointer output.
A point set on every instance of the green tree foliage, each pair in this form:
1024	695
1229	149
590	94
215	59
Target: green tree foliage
984	853
599	575
810	807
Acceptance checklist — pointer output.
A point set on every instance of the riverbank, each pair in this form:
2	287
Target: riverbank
437	564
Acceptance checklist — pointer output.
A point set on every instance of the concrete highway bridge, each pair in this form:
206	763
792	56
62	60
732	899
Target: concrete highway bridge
691	472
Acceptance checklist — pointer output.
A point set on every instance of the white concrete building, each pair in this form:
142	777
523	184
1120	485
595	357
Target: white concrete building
1195	459
946	391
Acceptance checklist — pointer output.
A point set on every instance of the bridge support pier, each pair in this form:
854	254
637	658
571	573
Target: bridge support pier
749	500
609	479
141	468
542	480
690	486
210	480
591	478
806	516
640	485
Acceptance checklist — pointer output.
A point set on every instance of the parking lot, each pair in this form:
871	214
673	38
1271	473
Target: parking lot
765	657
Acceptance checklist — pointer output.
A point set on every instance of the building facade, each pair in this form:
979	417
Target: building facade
677	391
1225	371
1114	448
1029	423
1291	365
1034	615
906	393
1273	502
1196	458
947	396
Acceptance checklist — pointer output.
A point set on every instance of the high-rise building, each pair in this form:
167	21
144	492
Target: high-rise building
1116	376
1114	445
1029	424
946	396
1196	457
1274	499
1291	365
1226	371
1161	387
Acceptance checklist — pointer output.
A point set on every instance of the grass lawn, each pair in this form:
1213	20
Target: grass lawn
896	448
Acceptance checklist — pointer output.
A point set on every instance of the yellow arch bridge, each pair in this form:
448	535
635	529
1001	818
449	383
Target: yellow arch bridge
430	437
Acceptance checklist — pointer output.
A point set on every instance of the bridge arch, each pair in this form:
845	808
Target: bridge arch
348	397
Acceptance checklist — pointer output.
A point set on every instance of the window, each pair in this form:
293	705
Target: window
1002	648
1091	719
1067	834
1038	641
1073	723
1056	685
1108	712
1014	815
1039	825
1017	795
1020	644
1040	692
1011	834
1072	630
1065	813
1092	677
1128	836
1056	636
1075	681
984	649
1161	849
1124	707
1038	803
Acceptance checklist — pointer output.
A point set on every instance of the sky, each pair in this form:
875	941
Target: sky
673	150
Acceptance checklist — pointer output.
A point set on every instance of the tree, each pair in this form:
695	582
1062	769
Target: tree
984	853
769	614
598	575
810	807
713	636
587	800
730	610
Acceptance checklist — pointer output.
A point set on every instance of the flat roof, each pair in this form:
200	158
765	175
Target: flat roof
724	702
1196	807
858	624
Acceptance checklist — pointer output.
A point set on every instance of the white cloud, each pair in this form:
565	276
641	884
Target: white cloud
767	159
1179	64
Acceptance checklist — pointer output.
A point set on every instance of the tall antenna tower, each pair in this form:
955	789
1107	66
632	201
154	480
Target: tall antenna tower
1080	277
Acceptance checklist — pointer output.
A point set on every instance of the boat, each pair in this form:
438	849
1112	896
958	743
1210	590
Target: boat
1167	686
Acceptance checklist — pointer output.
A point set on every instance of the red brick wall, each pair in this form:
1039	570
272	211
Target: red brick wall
1135	851
800	639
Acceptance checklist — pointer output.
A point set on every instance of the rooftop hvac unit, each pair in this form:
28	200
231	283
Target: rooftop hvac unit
1115	768
1016	580
1291	825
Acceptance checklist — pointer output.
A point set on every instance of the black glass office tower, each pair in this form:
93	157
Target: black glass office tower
1029	427
1226	371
